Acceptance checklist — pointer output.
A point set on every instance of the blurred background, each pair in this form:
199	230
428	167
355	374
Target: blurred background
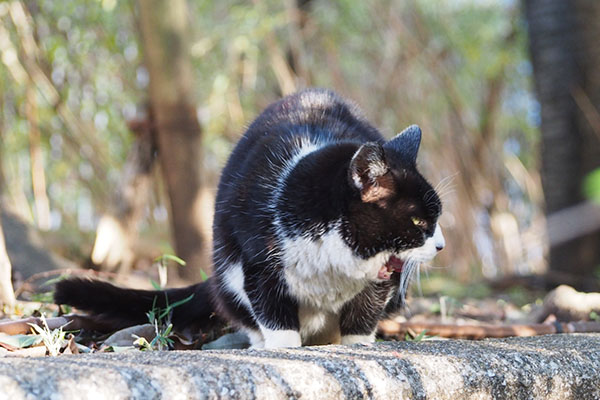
117	116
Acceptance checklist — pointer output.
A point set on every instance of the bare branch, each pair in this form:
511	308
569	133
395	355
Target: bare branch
398	330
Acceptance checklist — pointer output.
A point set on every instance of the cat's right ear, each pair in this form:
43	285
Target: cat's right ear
370	174
406	144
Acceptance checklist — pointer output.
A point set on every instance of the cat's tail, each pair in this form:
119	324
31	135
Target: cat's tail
117	308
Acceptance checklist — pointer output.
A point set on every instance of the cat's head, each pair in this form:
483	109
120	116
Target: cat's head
394	210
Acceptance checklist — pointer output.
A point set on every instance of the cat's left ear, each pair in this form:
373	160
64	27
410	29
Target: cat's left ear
369	173
406	143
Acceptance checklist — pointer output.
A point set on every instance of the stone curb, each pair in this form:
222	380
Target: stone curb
544	367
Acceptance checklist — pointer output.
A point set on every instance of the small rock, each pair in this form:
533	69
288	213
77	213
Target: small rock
125	337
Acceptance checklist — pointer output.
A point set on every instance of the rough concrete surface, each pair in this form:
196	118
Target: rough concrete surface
546	367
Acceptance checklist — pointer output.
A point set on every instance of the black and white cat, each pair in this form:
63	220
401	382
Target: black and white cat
319	225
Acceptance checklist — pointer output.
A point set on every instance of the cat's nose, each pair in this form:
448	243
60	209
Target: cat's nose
438	236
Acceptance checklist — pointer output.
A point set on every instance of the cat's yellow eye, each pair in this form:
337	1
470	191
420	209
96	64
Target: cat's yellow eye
419	222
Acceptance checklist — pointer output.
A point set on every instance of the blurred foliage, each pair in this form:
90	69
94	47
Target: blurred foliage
592	186
457	68
90	54
437	284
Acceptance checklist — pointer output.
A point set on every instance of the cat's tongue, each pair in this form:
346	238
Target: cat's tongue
394	264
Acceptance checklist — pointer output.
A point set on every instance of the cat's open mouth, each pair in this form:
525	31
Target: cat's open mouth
394	264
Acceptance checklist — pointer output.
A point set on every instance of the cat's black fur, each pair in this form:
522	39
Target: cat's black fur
312	206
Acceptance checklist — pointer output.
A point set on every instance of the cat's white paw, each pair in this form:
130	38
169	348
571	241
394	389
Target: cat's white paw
280	338
257	340
353	339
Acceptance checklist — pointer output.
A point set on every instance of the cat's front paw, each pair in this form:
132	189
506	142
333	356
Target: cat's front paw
354	339
281	338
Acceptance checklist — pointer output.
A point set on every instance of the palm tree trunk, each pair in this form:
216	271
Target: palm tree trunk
565	53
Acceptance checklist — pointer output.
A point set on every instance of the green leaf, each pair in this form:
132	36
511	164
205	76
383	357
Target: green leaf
591	185
66	309
203	275
171	257
155	284
46	297
151	316
435	308
119	349
420	336
55	280
152	313
170	307
182	301
142	343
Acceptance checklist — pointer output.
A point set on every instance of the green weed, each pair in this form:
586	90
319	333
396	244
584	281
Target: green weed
421	337
161	319
53	339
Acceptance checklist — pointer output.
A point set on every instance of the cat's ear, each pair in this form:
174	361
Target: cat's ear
369	173
406	143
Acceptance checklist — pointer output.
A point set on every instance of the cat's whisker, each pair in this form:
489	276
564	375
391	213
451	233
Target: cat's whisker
440	267
418	277
445	186
447	189
445	181
410	267
426	270
446	193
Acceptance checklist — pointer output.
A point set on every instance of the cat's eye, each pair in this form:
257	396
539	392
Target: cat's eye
421	223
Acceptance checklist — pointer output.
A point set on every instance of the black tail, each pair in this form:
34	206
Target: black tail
117	308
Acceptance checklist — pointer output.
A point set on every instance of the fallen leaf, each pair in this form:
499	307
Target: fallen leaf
71	347
19	341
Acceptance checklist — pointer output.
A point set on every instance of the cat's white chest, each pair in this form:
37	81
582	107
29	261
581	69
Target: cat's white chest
324	273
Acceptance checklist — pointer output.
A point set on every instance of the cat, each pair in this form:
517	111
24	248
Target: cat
320	223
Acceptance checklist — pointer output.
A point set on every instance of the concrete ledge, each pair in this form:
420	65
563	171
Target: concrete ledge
545	367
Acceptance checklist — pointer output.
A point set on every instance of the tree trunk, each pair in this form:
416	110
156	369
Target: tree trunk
565	54
165	34
7	295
